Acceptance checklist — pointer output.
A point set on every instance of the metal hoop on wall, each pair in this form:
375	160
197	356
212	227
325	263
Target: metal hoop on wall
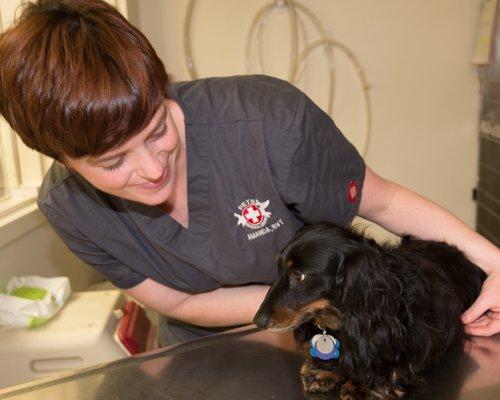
332	43
296	58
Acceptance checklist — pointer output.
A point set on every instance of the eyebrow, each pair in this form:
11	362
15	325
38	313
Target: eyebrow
119	154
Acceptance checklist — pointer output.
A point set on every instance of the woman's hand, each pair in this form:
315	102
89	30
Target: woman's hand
403	212
483	317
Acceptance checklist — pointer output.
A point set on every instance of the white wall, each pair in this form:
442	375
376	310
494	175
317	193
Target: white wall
416	55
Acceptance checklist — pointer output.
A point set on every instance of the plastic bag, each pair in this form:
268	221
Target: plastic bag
32	300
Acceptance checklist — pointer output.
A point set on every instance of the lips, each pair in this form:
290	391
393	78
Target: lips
158	184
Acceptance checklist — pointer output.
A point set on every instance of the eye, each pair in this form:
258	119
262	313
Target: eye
159	134
114	166
299	276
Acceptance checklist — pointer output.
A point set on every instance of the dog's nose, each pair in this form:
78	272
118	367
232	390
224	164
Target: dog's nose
261	319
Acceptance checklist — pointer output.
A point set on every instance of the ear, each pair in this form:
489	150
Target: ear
303	333
371	303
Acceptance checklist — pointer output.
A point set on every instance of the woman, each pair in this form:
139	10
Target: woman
183	193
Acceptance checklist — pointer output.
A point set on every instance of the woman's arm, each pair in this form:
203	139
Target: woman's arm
403	212
220	307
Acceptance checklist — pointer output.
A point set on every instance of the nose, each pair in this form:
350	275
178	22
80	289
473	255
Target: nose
261	319
150	165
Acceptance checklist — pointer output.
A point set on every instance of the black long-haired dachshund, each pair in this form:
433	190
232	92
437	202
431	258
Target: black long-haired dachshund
372	318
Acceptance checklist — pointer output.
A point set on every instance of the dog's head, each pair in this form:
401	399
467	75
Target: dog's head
311	277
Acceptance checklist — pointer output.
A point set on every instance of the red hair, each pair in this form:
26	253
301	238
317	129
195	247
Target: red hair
76	78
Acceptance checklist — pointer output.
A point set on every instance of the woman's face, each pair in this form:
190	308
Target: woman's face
146	167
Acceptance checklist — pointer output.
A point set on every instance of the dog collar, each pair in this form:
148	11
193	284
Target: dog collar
324	347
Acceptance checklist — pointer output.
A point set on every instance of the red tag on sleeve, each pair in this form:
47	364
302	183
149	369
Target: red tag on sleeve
352	191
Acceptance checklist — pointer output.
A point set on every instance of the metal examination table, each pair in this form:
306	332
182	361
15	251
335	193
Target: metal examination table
247	364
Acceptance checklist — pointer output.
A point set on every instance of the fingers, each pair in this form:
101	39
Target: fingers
487	326
478	308
482	320
487	330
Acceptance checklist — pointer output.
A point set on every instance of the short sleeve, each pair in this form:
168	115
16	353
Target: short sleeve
324	172
119	274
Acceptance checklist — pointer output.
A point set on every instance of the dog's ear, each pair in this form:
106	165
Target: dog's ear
372	303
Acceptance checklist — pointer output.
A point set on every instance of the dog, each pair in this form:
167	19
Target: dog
371	318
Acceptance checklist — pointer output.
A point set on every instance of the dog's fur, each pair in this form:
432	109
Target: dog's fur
394	309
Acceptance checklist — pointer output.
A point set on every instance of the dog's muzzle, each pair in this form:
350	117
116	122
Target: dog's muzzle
261	319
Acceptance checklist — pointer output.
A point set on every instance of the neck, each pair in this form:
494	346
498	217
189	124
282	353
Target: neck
177	206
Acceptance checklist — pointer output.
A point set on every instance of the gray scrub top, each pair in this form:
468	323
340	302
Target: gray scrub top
262	160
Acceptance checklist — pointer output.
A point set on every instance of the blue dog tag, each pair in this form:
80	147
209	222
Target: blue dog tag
324	347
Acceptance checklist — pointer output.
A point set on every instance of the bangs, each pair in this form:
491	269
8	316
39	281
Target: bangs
91	80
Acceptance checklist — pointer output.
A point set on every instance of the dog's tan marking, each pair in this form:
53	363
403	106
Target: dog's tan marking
351	391
316	305
285	318
324	314
318	380
331	317
289	264
387	392
380	393
282	318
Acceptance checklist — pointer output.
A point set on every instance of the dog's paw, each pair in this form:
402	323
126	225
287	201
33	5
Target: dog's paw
316	380
354	391
387	392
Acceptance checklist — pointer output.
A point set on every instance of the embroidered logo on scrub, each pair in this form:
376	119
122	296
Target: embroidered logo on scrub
254	215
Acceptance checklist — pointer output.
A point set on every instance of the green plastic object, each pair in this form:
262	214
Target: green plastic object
31	293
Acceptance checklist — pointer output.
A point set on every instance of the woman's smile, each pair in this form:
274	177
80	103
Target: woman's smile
159	183
147	167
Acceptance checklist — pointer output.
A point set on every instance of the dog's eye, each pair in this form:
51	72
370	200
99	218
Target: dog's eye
299	276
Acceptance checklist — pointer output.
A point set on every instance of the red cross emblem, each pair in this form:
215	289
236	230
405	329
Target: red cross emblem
252	214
